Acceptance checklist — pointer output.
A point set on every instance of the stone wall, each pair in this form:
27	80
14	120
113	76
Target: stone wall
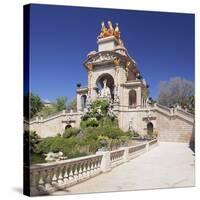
176	126
54	124
171	125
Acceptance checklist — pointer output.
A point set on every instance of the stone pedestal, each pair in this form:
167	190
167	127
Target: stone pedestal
106	161
108	43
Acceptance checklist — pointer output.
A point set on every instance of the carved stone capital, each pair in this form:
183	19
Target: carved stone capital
128	64
90	66
117	61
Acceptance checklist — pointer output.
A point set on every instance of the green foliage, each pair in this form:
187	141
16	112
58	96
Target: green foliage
61	103
98	130
103	141
124	139
69	146
134	133
100	104
32	105
57	106
189	104
37	158
71	105
31	139
46	111
151	135
69	132
97	115
36	104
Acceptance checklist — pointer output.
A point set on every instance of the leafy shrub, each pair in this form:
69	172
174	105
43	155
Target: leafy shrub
135	134
103	141
69	146
100	104
124	139
31	139
69	132
92	122
37	158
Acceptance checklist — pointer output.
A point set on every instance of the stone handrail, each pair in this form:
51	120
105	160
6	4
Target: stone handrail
152	142
173	112
116	157
46	178
54	114
168	110
136	148
181	111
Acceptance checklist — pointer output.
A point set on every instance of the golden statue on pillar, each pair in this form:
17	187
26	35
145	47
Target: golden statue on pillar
117	31
110	31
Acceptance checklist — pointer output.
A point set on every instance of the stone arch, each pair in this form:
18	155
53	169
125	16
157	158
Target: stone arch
83	101
150	128
132	98
68	126
110	83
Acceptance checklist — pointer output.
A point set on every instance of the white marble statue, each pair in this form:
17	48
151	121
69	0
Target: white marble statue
105	92
52	157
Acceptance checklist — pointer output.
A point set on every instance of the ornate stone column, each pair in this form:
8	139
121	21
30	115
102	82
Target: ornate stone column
116	79
138	92
90	75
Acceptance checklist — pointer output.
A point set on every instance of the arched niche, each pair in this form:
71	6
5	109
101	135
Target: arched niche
132	98
68	126
109	83
150	128
83	101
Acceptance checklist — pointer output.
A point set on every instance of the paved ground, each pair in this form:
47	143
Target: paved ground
166	166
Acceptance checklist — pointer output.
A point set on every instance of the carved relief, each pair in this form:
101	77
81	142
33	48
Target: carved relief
101	58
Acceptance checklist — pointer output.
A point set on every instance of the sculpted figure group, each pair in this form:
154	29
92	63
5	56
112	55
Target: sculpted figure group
110	31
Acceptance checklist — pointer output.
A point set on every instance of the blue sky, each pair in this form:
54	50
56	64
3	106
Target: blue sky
162	44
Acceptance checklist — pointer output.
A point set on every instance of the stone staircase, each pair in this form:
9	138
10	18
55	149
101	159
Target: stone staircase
180	127
175	135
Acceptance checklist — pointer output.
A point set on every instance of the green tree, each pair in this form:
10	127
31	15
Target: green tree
190	104
47	111
31	139
36	104
72	105
60	103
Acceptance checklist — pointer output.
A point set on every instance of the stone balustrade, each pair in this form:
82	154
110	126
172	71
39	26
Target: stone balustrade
49	177
116	157
137	150
46	178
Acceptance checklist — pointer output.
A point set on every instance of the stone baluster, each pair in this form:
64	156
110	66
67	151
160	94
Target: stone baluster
66	173
92	168
54	179
71	174
95	166
84	169
75	171
106	161
80	171
48	179
88	168
60	175
41	183
34	182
